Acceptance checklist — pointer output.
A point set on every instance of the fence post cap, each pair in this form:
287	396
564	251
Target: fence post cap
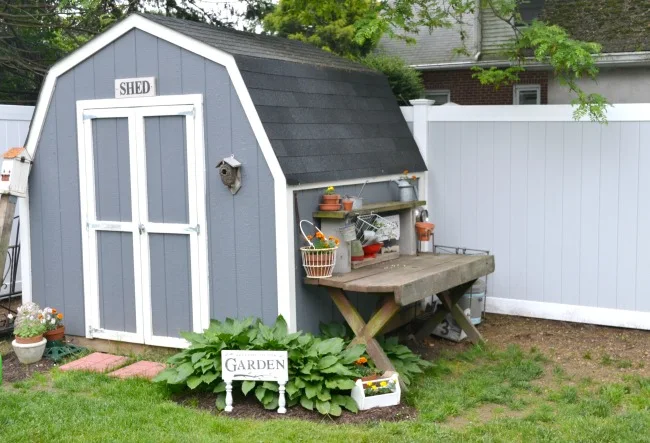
422	102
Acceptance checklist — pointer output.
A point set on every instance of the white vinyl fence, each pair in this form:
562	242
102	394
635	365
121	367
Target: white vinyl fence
14	125
563	205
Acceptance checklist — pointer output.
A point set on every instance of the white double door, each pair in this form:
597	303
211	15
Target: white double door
143	216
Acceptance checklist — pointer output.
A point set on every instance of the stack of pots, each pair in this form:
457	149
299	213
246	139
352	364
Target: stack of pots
331	202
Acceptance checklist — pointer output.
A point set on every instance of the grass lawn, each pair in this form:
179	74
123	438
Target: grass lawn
481	394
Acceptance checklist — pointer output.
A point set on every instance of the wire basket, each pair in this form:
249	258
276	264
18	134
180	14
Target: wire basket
318	263
373	228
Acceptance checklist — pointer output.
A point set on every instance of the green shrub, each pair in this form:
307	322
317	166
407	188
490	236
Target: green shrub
406	363
320	370
405	81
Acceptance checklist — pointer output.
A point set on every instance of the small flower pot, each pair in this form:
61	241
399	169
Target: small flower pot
329	207
347	205
318	263
29	353
424	230
29	340
372	250
55	334
331	198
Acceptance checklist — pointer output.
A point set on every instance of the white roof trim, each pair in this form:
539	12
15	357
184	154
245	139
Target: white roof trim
609	59
286	302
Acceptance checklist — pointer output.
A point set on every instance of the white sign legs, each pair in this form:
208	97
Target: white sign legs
228	396
281	402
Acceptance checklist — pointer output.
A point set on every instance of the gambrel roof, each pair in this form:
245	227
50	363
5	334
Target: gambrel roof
327	118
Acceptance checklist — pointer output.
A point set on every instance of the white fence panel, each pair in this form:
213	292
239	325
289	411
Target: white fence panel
562	204
14	125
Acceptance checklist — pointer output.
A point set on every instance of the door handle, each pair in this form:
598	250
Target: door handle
141	228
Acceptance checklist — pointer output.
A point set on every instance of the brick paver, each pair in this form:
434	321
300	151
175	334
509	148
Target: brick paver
96	362
143	369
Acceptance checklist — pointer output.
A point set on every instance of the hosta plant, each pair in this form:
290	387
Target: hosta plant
321	372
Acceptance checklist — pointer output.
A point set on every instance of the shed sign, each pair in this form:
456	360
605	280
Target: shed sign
255	366
135	87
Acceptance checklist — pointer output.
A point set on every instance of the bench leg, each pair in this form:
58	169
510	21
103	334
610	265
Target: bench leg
449	301
365	332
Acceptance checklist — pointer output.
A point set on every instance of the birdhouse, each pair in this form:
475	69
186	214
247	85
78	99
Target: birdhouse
230	173
15	172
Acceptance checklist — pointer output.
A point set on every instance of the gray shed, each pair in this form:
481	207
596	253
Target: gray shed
131	231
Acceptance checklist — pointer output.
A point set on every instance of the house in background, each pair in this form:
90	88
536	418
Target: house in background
621	27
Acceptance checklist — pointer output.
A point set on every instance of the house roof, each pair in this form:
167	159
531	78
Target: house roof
619	26
327	118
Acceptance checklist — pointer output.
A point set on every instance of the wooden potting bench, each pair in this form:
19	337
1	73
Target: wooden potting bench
404	281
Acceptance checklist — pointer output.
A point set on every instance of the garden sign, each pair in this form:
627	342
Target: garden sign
255	366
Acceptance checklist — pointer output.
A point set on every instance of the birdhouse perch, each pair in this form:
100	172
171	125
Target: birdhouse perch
14	172
230	173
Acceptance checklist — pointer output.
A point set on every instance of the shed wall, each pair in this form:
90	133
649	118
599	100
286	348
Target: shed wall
241	228
313	304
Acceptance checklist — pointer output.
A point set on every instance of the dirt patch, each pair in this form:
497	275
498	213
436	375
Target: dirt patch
13	370
601	353
248	407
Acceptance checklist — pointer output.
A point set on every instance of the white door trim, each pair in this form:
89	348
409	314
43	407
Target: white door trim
191	106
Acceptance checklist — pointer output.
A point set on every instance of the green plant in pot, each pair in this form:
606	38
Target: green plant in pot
29	328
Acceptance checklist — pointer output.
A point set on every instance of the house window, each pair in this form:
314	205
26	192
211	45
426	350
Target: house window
527	95
530	10
440	96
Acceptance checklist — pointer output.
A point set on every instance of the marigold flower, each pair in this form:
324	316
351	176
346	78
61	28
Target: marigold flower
374	388
361	361
336	241
53	311
413	177
383	384
406	172
59	316
370	384
40	316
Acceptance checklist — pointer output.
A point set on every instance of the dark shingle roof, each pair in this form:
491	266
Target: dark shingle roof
327	118
255	45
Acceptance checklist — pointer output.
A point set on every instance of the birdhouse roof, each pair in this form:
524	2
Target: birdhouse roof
13	153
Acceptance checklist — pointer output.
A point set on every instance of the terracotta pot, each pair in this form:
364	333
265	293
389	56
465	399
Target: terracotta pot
372	250
347	205
29	340
329	207
331	199
424	230
55	334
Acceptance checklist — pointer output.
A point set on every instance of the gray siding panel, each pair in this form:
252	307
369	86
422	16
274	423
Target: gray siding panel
171	294
313	304
112	169
166	169
242	272
116	281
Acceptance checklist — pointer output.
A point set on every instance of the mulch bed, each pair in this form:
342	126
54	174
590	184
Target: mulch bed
13	370
250	408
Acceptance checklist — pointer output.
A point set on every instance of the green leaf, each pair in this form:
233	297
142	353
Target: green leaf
260	391
197	356
346	401
323	407
193	382
307	403
343	384
327	361
330	346
167	375
291	388
247	386
352	354
311	390
220	403
335	410
221	387
324	395
209	377
184	371
271	386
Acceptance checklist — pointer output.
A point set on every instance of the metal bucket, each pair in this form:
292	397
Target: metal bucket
407	191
